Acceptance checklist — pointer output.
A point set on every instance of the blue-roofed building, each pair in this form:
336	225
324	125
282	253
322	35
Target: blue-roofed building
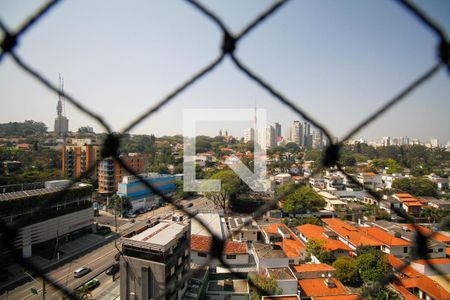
140	196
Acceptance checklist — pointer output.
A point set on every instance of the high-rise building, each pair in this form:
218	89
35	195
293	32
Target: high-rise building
317	140
434	143
306	135
249	135
61	122
155	258
110	172
80	156
277	129
404	140
395	142
386	141
271	139
295	133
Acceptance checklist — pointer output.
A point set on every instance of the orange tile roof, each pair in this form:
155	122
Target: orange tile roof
426	231
280	297
433	261
311	231
407	295
399	265
291	246
313	268
412	203
339	297
385	237
447	251
203	244
350	233
318	287
426	284
369	174
403	195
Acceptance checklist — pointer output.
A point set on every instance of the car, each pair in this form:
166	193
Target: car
113	269
90	285
81	272
131	215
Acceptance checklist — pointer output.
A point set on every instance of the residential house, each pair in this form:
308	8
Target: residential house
234	253
328	238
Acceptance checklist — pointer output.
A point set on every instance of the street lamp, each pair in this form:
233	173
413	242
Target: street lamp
33	290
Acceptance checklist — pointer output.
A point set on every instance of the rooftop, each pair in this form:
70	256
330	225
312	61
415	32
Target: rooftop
311	231
227	285
281	273
385	237
313	268
281	297
268	251
350	233
433	261
339	297
319	287
212	221
203	244
158	237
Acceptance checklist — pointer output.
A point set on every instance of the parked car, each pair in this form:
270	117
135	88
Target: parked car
81	272
113	269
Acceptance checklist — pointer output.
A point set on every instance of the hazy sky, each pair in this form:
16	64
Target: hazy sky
339	60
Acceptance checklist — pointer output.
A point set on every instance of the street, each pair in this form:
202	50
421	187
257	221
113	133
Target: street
98	259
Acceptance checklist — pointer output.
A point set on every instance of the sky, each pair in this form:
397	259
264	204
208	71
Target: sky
337	60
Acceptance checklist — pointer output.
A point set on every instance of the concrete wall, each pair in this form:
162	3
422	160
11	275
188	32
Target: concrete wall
241	259
288	286
52	228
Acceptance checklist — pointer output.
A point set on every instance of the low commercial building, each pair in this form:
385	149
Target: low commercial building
155	258
48	215
140	195
236	289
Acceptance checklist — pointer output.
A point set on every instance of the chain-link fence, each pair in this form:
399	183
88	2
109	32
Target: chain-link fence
230	40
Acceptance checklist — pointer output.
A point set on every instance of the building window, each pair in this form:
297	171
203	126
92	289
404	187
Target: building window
172	271
201	254
291	261
230	256
440	250
405	249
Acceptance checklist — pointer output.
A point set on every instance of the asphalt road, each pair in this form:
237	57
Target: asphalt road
98	260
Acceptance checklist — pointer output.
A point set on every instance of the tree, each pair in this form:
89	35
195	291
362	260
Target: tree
304	199
120	204
416	186
262	286
316	247
372	266
432	214
229	186
347	271
292	147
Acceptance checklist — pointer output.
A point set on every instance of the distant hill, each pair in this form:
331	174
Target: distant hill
27	128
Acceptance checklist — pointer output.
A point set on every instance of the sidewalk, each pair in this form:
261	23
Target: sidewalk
70	250
112	293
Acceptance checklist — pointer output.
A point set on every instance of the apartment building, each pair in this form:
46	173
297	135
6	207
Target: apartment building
80	156
110	172
155	258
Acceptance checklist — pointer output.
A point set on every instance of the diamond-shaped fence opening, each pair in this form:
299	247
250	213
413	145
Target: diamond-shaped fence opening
111	144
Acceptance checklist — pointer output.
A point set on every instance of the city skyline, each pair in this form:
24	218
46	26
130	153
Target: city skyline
366	66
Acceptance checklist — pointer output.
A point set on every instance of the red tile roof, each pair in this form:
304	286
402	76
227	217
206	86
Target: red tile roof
291	246
339	297
313	268
318	287
311	231
282	297
426	284
385	237
203	244
400	266
414	279
426	231
350	233
433	261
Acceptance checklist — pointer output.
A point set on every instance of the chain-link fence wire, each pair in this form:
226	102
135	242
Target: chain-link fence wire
112	143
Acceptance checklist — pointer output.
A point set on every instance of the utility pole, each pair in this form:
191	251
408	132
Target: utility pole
43	284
